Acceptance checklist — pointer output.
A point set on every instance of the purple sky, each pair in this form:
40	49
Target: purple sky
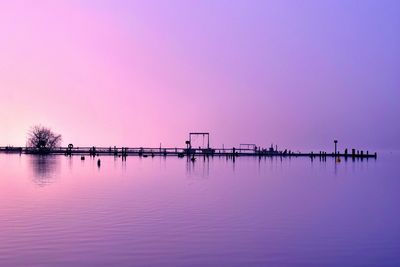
296	73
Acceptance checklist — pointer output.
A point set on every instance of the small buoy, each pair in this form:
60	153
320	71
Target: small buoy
338	160
98	162
82	157
193	159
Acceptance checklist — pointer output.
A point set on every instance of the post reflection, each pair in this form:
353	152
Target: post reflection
199	168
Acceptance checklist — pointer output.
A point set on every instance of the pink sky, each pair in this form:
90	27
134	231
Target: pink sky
139	73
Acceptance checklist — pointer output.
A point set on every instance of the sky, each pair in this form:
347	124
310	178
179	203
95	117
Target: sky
139	73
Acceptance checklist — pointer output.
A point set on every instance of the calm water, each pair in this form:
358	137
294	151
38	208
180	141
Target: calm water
59	211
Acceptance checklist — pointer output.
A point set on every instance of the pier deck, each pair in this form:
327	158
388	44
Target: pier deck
182	152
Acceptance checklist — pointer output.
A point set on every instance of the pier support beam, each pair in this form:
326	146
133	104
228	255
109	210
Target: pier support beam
335	141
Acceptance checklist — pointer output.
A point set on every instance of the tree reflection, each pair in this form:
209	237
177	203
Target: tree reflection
44	168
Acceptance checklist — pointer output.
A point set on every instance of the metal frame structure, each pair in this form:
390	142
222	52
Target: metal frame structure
202	134
248	146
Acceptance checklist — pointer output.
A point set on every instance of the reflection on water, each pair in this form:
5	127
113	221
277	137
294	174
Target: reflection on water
199	169
210	212
44	168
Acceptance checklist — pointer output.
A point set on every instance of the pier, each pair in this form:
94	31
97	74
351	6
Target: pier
182	152
249	150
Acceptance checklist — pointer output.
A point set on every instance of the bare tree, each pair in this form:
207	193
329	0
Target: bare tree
42	139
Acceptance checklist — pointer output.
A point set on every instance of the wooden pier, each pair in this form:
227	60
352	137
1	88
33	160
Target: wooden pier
190	151
252	151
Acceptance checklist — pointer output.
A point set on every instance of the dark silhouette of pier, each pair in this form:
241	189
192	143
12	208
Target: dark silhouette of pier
244	150
182	152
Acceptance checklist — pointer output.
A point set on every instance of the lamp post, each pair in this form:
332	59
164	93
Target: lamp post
335	141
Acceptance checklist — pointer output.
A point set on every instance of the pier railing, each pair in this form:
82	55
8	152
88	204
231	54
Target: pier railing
181	152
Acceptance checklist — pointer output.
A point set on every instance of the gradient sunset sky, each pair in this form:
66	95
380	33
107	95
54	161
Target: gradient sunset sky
137	73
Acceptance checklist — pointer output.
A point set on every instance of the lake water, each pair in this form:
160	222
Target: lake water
60	211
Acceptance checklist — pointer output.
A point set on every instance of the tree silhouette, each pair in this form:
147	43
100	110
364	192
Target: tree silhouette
42	140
